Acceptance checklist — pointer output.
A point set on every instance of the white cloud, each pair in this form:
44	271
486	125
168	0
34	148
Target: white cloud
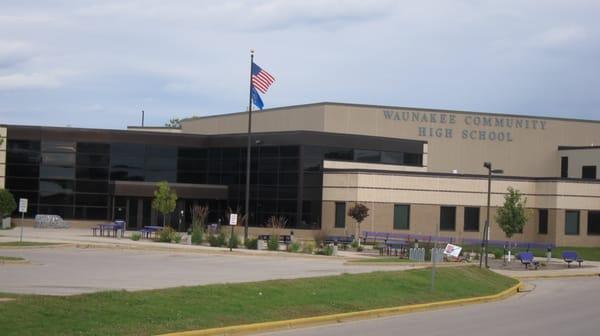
28	81
560	36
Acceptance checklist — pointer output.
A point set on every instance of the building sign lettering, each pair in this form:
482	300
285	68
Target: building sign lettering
474	127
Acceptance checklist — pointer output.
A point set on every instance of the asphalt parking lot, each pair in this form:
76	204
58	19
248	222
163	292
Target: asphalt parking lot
71	270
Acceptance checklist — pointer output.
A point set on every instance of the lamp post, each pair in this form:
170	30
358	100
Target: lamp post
486	228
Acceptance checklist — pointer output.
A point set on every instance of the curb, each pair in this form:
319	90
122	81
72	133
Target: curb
556	276
373	313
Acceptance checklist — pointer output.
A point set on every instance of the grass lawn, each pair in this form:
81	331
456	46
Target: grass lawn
199	307
25	243
11	258
587	253
381	260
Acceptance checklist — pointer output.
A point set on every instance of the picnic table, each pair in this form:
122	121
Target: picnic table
110	228
148	230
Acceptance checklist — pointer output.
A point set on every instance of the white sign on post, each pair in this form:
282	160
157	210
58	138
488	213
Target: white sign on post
233	219
23	205
452	250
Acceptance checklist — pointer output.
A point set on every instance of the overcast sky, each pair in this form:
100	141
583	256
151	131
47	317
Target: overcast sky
99	63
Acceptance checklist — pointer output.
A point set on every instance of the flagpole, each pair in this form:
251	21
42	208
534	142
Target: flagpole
248	150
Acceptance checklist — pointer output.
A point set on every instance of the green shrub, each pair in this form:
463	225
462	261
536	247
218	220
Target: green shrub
498	254
217	240
273	243
7	203
233	241
197	237
359	249
308	247
354	244
165	235
136	236
176	238
251	244
295	247
327	250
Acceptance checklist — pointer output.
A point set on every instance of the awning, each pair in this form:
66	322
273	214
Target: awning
183	190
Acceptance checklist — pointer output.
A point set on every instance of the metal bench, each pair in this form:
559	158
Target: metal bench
571	256
341	240
527	259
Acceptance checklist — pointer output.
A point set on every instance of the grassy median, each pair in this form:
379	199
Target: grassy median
185	308
25	244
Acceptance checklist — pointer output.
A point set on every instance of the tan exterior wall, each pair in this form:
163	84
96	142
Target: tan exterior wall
582	157
2	157
425	195
529	150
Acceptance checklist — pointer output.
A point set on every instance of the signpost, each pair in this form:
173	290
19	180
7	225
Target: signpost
22	209
233	218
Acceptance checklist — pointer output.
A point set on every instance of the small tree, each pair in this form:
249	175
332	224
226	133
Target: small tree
173	123
359	212
512	216
199	216
164	200
7	203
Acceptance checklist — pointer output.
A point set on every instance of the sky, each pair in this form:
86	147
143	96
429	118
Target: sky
99	63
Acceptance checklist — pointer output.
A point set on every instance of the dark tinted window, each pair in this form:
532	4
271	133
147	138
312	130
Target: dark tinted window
593	223
58	159
401	216
543	221
340	214
564	166
58	146
371	156
588	172
51	172
22	171
16	183
572	222
471	219
93	147
447	218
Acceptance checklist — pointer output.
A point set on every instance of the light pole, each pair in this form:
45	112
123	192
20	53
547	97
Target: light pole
486	228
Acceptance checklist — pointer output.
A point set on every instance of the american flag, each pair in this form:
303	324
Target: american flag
261	79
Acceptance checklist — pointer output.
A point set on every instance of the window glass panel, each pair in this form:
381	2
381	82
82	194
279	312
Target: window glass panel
65	212
288	178
91	186
572	222
15	183
96	160
193	153
339	154
231	153
471	219
47	197
340	214
91	213
57	186
127	174
58	146
447	218
88	173
289	151
192	165
93	147
127	156
50	172
191	177
564	166
362	155
22	145
392	158
22	171
593	223
268	151
289	164
413	159
58	159
588	172
543	221
401	216
91	200
23	157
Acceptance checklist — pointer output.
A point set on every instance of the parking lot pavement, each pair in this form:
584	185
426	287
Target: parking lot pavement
71	270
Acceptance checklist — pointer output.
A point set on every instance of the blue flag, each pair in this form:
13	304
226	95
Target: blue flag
256	98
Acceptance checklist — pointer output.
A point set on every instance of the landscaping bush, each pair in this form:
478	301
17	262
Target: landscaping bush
233	241
327	250
251	244
168	235
217	240
308	247
295	247
273	243
355	244
136	236
7	203
197	236
359	249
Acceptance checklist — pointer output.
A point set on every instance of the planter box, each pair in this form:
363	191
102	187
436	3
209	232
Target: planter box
6	223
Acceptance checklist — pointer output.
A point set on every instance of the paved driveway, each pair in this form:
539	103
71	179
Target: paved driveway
557	307
71	270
